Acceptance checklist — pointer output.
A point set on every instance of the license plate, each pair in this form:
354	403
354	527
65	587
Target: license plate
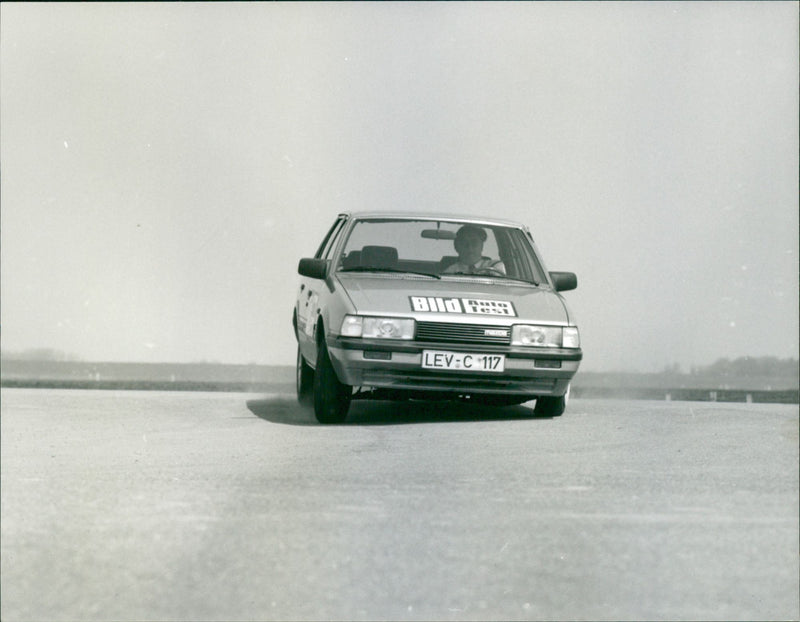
463	361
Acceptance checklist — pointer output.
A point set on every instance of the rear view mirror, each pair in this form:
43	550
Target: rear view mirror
564	281
438	234
312	268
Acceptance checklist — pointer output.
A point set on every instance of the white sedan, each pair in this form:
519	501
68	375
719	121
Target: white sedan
426	306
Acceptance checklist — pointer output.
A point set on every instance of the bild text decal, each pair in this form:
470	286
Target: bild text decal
474	306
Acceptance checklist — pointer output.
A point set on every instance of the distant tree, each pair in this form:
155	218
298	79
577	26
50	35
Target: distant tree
754	366
674	369
39	354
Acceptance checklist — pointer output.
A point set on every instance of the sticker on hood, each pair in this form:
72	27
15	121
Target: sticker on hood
475	306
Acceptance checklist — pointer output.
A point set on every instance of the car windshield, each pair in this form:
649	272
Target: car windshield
440	249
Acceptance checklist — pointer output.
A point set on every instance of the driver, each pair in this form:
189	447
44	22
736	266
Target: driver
469	246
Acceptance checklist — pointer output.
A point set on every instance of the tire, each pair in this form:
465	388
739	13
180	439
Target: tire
304	379
331	397
551	406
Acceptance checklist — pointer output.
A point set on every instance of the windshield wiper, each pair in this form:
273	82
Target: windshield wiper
397	270
492	275
514	278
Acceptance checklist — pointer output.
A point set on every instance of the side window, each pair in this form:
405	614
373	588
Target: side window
325	248
518	256
490	247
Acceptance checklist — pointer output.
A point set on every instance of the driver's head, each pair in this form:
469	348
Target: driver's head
469	243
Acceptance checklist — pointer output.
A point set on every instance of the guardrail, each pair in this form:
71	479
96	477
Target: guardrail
791	396
691	395
149	385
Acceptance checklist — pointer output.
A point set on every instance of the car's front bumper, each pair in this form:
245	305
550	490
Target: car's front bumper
398	365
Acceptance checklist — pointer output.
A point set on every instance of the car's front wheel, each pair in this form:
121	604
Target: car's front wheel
551	406
331	397
304	380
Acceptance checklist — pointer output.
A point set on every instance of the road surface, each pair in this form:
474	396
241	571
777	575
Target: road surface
128	505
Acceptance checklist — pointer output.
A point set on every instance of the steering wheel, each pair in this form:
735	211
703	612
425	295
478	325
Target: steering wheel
492	269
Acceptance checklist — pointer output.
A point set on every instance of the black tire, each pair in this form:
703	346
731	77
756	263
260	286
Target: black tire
331	397
551	406
304	380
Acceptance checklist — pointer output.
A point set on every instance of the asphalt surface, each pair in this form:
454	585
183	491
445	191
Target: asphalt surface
127	505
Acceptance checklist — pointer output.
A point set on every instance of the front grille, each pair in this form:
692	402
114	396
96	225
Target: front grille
457	382
463	333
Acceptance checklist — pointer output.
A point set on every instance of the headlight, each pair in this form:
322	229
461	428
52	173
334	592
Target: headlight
377	327
545	336
388	328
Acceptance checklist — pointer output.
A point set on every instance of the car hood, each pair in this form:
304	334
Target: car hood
465	300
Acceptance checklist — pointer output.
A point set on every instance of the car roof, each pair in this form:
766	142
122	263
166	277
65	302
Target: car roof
433	216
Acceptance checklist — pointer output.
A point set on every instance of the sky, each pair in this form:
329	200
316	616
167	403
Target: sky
165	165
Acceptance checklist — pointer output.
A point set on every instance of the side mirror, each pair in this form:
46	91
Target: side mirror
564	281
312	268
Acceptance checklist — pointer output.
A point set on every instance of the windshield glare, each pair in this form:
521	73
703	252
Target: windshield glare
447	248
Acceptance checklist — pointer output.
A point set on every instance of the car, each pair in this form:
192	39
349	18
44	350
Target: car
398	306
